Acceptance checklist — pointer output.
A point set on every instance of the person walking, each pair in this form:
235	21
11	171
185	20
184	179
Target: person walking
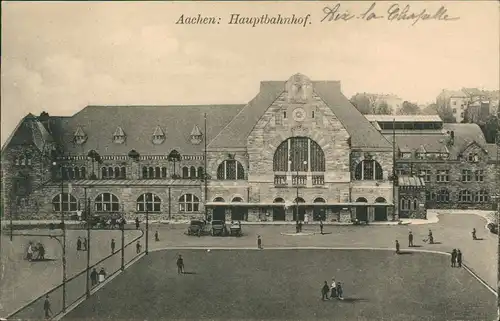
453	258
113	244
41	252
79	244
333	288
157	238
321	226
85	244
340	291
259	242
46	307
459	258
431	238
474	237
410	239
136	223
138	247
297	227
93	277
102	275
324	291
180	265
397	247
29	255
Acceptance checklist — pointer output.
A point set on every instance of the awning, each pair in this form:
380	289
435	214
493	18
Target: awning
411	181
241	204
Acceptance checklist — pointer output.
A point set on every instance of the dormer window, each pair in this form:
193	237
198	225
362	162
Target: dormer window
472	158
119	136
196	136
79	136
158	136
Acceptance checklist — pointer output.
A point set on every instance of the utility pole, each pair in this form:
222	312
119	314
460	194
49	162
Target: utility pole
205	175
147	226
63	228
394	183
87	217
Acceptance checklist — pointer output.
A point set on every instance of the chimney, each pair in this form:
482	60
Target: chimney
44	118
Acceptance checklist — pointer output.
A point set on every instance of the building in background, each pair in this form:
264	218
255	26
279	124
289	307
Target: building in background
455	100
452	161
471	105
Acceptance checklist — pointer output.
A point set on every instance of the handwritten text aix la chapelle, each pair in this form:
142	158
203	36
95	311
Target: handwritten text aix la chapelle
394	13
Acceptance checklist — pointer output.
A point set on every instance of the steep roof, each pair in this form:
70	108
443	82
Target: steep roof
236	132
140	122
28	131
363	134
464	135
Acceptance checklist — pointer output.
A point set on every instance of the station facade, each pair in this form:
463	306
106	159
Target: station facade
298	147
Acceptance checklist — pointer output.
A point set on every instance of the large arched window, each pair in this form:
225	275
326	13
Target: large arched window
150	202
106	202
230	169
368	170
65	201
189	203
299	154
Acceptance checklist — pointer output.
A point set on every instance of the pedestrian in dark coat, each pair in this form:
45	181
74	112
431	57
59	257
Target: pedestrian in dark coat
397	247
93	277
259	242
113	246
136	223
410	239
459	258
453	258
321	227
180	265
474	237
85	244
138	247
79	244
46	308
324	291
157	238
431	238
297	227
340	291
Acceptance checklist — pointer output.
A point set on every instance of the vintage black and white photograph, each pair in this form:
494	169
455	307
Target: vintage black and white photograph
250	160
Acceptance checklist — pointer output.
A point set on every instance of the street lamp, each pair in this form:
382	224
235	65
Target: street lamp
135	156
63	227
297	184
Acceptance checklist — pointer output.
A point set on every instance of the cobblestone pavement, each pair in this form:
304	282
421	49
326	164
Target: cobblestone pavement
23	281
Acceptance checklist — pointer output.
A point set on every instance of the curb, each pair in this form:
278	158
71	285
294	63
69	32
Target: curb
477	277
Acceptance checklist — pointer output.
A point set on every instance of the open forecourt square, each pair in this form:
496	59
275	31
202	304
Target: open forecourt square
286	284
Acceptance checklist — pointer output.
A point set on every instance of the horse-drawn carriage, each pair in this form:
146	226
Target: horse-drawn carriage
113	221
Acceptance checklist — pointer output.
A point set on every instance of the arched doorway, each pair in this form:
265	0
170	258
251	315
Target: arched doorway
302	209
238	213
380	211
362	211
319	213
279	210
219	211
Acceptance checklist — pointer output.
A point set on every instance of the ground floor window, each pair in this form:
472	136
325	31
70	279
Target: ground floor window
189	203
481	196
64	201
465	196
443	196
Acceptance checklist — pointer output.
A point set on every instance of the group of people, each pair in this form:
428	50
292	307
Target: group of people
37	248
456	258
81	245
335	291
96	277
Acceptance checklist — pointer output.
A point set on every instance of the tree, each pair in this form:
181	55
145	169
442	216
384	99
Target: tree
491	129
383	109
362	103
409	108
431	109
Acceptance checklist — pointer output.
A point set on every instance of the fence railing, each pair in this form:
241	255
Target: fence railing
76	286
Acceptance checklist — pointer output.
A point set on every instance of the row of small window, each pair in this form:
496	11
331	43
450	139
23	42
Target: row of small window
407	204
107	202
444	175
472	157
464	196
161	172
22	160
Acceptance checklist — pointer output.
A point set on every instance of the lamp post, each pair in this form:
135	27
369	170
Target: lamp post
497	167
297	184
87	216
134	155
63	227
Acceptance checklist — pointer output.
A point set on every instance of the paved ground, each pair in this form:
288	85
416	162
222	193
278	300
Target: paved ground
285	284
22	281
451	232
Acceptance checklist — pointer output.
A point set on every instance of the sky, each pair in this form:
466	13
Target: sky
61	56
